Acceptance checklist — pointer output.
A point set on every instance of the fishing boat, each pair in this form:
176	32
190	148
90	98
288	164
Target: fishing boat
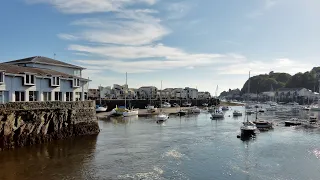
162	117
248	128
237	113
293	122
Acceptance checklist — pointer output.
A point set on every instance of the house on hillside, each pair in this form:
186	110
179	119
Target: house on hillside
41	79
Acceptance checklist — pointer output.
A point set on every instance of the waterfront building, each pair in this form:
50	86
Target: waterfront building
94	94
146	92
192	93
41	79
204	95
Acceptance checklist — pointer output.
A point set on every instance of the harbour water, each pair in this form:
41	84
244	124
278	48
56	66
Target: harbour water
191	147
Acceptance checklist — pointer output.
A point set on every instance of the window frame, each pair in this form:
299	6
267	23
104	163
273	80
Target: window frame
20	96
59	96
30	78
55	81
69	96
47	96
2	77
35	96
75	82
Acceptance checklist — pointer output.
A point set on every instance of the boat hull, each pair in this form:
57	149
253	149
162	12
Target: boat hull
130	113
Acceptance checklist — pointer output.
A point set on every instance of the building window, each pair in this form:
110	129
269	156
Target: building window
33	95
46	96
1	77
57	96
78	96
29	79
76	82
19	96
55	81
69	96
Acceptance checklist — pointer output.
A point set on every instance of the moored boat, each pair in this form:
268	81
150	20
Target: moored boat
225	108
101	109
237	113
292	122
217	114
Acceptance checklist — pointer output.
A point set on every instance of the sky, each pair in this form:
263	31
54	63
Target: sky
184	43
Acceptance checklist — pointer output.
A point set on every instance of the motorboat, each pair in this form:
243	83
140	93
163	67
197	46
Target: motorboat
101	109
186	104
315	108
151	109
237	113
225	108
306	108
195	109
249	111
130	112
217	115
271	108
261	124
262	110
162	118
165	105
205	104
293	122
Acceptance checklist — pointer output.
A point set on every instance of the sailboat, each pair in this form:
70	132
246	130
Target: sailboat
100	108
123	110
248	128
162	117
181	112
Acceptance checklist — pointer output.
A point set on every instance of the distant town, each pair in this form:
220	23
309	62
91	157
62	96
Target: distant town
146	92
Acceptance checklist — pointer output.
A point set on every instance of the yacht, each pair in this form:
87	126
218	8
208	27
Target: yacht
248	128
237	113
162	117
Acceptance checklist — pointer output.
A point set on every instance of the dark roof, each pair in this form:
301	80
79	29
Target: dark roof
15	69
290	89
43	60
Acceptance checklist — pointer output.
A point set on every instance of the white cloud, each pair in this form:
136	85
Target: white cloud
91	6
69	37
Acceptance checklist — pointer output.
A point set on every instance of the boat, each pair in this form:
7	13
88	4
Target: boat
182	113
217	114
205	104
271	108
313	118
211	109
292	122
262	110
186	104
225	108
248	129
175	105
101	109
165	105
315	107
195	109
151	109
237	113
249	111
306	108
261	124
162	117
123	109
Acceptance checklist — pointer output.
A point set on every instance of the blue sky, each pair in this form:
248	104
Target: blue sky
185	43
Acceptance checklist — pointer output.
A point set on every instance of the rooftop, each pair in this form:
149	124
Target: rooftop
43	60
15	69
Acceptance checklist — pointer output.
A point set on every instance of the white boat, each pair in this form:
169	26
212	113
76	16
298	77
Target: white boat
217	114
195	109
315	107
205	104
165	105
162	117
306	108
248	128
101	109
237	113
131	112
272	108
292	122
249	111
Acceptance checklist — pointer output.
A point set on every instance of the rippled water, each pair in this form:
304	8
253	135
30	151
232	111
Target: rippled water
192	147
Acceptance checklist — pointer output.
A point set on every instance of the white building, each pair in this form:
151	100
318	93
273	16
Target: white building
41	79
147	92
179	93
106	92
192	93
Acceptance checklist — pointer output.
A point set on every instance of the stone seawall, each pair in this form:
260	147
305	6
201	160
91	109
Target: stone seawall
28	123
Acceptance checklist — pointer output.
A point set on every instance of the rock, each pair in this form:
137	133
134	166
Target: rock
44	128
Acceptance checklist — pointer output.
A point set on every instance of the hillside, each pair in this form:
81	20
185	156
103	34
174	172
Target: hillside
276	80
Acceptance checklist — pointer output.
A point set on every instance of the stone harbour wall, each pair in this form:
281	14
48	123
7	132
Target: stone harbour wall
29	123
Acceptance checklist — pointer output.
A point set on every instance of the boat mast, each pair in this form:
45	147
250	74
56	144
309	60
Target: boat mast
161	97
100	94
125	93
